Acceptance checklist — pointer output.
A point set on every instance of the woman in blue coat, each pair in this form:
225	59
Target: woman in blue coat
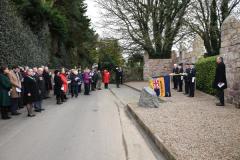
5	87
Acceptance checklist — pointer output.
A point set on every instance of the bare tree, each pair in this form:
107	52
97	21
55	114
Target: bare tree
151	24
205	17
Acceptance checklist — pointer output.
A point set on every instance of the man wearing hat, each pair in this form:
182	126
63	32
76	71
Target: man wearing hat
192	76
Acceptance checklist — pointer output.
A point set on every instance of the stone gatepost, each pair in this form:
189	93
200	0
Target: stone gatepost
154	67
230	51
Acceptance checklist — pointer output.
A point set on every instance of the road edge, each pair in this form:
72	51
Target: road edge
158	142
138	90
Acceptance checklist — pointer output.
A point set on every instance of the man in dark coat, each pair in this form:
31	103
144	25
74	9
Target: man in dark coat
180	77
118	77
186	78
74	83
57	86
121	75
41	89
175	81
48	83
192	78
220	81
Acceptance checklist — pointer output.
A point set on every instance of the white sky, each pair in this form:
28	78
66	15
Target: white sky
93	13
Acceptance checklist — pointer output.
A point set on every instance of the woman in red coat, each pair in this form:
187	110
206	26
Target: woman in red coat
65	84
106	78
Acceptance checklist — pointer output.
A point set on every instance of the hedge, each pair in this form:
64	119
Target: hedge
205	74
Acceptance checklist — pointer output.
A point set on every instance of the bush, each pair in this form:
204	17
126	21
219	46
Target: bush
205	74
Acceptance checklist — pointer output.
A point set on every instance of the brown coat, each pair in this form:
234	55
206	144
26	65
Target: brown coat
16	83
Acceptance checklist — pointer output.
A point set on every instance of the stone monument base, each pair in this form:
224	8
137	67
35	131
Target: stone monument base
149	98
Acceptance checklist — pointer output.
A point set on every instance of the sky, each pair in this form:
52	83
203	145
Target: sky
93	13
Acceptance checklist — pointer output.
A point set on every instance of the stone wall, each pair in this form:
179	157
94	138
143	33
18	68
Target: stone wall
230	51
196	52
154	67
18	44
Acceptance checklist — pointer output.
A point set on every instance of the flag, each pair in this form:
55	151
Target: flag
163	84
167	80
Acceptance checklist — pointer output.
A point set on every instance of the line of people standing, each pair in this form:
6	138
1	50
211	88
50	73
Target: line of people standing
186	75
72	81
28	87
23	87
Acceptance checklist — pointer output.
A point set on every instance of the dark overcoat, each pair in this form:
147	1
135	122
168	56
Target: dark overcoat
41	86
5	87
220	76
47	78
57	85
30	86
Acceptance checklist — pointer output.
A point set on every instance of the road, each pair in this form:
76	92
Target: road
93	127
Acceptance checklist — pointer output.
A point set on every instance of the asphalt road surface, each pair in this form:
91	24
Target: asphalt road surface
94	127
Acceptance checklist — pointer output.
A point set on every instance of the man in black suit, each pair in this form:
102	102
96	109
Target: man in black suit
175	79
192	78
180	77
186	78
220	81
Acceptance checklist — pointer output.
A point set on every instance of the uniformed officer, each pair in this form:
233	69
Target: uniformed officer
192	76
175	81
180	77
186	78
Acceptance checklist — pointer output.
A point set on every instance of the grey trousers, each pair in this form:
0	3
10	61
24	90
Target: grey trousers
99	84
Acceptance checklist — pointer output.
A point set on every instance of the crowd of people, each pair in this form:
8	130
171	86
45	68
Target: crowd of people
24	86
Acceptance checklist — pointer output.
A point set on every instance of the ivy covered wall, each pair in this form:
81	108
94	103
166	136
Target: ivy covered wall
18	44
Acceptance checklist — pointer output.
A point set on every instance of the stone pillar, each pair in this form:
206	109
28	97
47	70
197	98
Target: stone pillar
230	51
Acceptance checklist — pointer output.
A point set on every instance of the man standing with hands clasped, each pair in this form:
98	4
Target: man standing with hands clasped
220	81
192	77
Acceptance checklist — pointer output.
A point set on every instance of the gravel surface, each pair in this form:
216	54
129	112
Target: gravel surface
194	128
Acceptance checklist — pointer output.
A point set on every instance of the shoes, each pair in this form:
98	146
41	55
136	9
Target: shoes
37	110
31	115
6	118
59	103
42	109
16	114
219	104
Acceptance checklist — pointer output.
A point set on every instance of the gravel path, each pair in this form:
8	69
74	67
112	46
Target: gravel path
194	128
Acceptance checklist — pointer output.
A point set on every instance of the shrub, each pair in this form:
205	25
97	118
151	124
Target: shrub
205	74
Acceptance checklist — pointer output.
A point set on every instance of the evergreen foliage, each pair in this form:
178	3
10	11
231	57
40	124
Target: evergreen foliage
205	74
73	40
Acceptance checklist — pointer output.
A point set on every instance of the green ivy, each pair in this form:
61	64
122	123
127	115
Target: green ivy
36	13
206	68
